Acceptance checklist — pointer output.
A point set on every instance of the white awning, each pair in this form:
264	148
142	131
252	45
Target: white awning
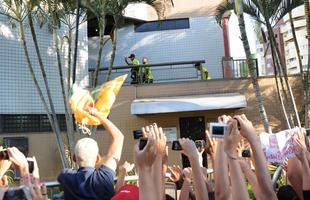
188	103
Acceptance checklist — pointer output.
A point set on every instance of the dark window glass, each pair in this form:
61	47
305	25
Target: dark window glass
168	25
162	25
182	23
29	123
151	26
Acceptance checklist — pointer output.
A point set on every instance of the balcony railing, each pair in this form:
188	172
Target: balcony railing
237	68
174	71
162	72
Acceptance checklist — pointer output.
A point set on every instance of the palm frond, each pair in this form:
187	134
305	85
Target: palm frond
222	10
253	9
285	7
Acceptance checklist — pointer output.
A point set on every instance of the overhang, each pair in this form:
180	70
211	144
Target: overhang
188	103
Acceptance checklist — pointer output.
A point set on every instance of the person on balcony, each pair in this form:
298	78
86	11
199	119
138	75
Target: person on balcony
147	75
205	75
134	70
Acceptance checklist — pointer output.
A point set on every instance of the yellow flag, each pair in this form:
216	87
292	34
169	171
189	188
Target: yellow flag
101	97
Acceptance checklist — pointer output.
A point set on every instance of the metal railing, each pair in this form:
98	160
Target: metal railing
237	68
162	72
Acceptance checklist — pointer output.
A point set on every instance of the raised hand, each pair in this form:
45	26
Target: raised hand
187	173
126	167
210	145
189	148
176	173
4	165
232	138
224	119
246	128
19	159
146	157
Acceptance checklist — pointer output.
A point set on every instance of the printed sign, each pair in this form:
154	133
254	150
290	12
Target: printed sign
277	147
171	133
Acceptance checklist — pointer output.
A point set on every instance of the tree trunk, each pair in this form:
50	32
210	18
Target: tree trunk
57	129
296	43
69	60
69	121
114	43
282	65
306	101
101	45
252	69
276	73
36	83
299	62
77	22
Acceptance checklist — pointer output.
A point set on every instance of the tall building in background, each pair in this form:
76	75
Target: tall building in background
263	49
292	65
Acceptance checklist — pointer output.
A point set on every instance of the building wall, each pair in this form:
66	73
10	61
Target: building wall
19	95
43	145
301	35
279	39
202	41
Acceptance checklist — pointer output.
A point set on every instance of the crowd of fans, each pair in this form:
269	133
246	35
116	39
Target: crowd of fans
95	177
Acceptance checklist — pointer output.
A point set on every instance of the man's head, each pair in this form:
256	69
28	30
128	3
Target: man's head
144	60
86	152
132	56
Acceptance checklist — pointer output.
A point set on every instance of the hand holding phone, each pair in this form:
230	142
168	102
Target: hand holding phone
217	130
176	146
142	143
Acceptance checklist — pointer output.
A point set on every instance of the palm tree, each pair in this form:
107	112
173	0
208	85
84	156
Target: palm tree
30	8
267	13
252	68
98	9
18	11
116	8
306	82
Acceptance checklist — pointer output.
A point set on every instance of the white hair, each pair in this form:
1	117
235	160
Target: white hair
86	151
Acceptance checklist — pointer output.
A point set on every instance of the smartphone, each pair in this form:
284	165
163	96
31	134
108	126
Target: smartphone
246	153
30	165
176	146
4	155
142	143
20	193
217	129
200	144
137	134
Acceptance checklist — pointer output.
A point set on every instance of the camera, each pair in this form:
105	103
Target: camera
142	143
176	146
20	193
246	153
4	155
217	129
137	134
30	165
200	144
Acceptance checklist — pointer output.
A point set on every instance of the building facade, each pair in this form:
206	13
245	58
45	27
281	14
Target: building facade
185	39
197	38
291	58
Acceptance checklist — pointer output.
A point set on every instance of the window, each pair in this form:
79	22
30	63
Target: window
292	59
162	25
29	123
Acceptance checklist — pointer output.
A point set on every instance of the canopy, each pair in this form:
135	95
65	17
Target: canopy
188	103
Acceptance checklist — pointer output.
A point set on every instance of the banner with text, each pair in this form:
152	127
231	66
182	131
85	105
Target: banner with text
277	147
